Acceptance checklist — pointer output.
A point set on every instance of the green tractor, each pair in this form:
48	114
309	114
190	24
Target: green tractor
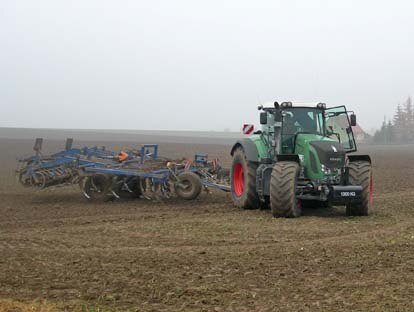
300	158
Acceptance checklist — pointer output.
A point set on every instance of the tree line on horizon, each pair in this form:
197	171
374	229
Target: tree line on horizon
400	129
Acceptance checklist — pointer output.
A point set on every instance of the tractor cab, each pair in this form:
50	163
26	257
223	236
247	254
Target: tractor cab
334	124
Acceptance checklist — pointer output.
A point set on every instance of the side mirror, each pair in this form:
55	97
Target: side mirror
263	118
353	120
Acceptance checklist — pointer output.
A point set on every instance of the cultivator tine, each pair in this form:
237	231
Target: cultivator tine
115	194
165	191
81	183
126	186
150	189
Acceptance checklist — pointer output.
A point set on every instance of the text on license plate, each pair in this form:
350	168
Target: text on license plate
348	194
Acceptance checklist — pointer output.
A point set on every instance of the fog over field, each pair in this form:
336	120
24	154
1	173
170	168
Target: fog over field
191	65
133	136
155	203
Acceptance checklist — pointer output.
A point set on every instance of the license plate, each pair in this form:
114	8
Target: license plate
348	194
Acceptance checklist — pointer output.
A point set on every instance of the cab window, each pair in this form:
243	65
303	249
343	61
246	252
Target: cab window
339	128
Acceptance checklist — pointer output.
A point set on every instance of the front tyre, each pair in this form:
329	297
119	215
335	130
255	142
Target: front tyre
360	173
283	182
243	181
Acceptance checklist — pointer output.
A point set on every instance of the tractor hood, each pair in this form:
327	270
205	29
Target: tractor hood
330	153
320	153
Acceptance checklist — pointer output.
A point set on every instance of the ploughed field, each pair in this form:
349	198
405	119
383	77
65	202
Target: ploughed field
60	252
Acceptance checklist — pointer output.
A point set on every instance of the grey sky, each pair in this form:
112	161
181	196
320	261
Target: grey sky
199	65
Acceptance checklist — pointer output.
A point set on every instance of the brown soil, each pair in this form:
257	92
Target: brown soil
205	255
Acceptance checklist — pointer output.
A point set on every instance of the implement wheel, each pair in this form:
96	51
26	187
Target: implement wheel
360	174
188	186
283	181
243	181
98	188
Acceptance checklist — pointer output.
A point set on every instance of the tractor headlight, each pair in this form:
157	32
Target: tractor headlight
333	173
325	169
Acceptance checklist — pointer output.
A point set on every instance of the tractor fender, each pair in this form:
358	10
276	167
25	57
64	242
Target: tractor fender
249	148
352	158
288	157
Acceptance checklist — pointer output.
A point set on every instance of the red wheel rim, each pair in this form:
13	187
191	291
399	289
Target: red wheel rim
238	179
371	189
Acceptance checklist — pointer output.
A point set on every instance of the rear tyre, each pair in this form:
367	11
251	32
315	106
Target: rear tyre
360	173
188	186
283	182
243	181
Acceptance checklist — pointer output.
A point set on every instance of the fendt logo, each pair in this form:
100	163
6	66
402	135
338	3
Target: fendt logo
248	128
334	149
335	159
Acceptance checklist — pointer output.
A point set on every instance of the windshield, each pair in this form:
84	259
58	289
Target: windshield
339	127
300	120
308	120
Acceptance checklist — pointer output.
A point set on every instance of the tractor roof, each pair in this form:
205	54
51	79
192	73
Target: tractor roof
296	104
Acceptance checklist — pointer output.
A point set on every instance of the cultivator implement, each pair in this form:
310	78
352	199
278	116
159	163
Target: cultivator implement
42	171
105	175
